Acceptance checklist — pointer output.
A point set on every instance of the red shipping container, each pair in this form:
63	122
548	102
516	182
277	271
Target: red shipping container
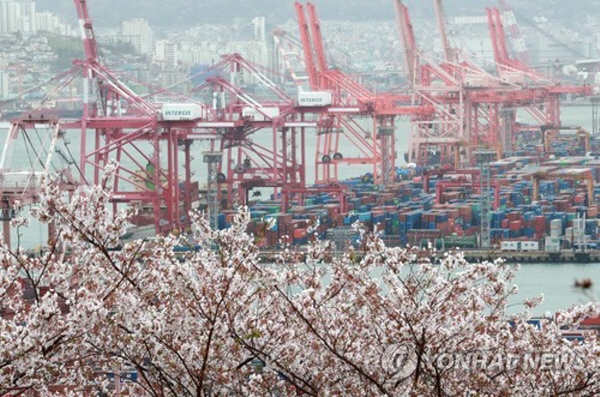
453	213
443	227
515	225
428	217
563	205
465	213
299	233
272	237
284	218
540	229
449	196
513	216
505	224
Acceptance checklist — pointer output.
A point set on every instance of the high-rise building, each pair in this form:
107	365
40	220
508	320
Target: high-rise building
138	32
14	20
3	16
28	16
259	28
4	85
166	53
17	16
47	22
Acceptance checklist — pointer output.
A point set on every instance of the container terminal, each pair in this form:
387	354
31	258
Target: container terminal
477	177
540	210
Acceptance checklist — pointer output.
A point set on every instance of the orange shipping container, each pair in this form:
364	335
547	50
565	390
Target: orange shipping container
299	233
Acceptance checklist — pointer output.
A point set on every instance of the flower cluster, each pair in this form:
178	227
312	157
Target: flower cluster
86	316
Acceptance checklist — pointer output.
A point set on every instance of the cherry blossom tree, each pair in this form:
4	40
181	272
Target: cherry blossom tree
216	320
353	319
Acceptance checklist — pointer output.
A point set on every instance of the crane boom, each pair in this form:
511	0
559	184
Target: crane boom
516	37
87	31
407	40
446	48
315	26
497	36
309	59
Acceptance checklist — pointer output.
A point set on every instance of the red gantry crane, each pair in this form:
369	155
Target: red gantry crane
342	118
546	92
263	140
251	159
436	137
38	140
473	109
144	137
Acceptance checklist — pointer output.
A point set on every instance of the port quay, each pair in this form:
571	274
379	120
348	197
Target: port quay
522	258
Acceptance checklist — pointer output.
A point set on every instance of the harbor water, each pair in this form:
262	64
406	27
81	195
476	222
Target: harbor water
556	282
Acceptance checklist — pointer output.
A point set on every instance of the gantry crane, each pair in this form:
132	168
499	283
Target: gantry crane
545	102
473	109
452	87
288	60
550	135
572	174
351	101
144	137
240	118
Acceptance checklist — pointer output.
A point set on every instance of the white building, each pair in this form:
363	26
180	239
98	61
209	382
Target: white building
13	18
17	16
47	22
28	16
259	28
3	16
254	51
166	53
203	53
192	55
4	85
138	32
